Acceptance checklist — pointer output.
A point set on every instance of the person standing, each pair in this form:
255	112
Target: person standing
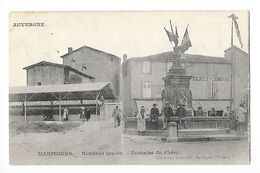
82	113
212	112
117	116
199	112
65	114
141	125
87	113
168	112
227	112
241	119
181	113
232	118
154	115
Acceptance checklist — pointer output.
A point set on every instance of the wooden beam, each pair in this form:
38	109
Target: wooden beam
97	102
25	108
59	107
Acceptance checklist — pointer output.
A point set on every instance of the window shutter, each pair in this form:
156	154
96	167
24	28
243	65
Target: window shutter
209	90
146	89
215	90
146	67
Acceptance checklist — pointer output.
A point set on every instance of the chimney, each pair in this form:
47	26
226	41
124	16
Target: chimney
70	50
124	57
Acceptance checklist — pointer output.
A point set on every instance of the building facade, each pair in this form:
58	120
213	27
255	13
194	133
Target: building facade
105	67
47	73
216	82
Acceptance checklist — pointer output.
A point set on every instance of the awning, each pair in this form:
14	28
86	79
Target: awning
83	91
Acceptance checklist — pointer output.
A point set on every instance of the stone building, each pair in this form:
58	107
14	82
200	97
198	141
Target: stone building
47	73
216	81
104	66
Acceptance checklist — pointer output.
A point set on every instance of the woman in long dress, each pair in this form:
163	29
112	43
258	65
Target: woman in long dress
65	114
141	126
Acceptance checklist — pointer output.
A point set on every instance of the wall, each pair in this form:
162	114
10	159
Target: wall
106	110
202	76
126	91
197	85
240	76
102	66
72	77
47	75
158	71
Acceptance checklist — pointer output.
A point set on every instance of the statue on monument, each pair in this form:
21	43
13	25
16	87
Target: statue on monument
177	83
174	38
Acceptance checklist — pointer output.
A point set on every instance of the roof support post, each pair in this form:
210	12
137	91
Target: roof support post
59	107
97	102
96	106
25	107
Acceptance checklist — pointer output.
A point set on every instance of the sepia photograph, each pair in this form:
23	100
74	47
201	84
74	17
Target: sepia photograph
129	88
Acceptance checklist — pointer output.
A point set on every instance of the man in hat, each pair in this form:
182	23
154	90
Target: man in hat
212	112
227	112
231	115
168	112
181	113
154	114
117	116
199	112
87	113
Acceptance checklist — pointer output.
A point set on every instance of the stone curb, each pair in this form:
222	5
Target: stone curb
188	138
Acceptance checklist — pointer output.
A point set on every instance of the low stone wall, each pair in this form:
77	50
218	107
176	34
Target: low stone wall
192	122
131	123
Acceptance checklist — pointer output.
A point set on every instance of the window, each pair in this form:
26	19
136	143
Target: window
146	67
211	69
73	63
84	68
212	90
39	83
168	66
147	89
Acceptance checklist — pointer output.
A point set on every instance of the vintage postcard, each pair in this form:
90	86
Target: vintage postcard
123	88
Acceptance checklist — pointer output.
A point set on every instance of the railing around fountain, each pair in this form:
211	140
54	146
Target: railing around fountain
192	122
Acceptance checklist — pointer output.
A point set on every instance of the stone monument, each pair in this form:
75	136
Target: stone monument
177	82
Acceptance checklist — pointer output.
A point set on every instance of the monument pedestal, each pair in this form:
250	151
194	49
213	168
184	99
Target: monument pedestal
177	86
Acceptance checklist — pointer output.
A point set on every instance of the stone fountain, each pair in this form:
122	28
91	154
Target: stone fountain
177	85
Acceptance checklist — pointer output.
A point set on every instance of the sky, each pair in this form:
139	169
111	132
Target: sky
135	33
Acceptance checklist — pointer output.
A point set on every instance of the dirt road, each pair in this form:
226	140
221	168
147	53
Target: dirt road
98	142
90	136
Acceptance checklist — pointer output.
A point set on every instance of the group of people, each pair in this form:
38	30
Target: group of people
213	112
143	114
154	115
237	117
85	113
181	112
